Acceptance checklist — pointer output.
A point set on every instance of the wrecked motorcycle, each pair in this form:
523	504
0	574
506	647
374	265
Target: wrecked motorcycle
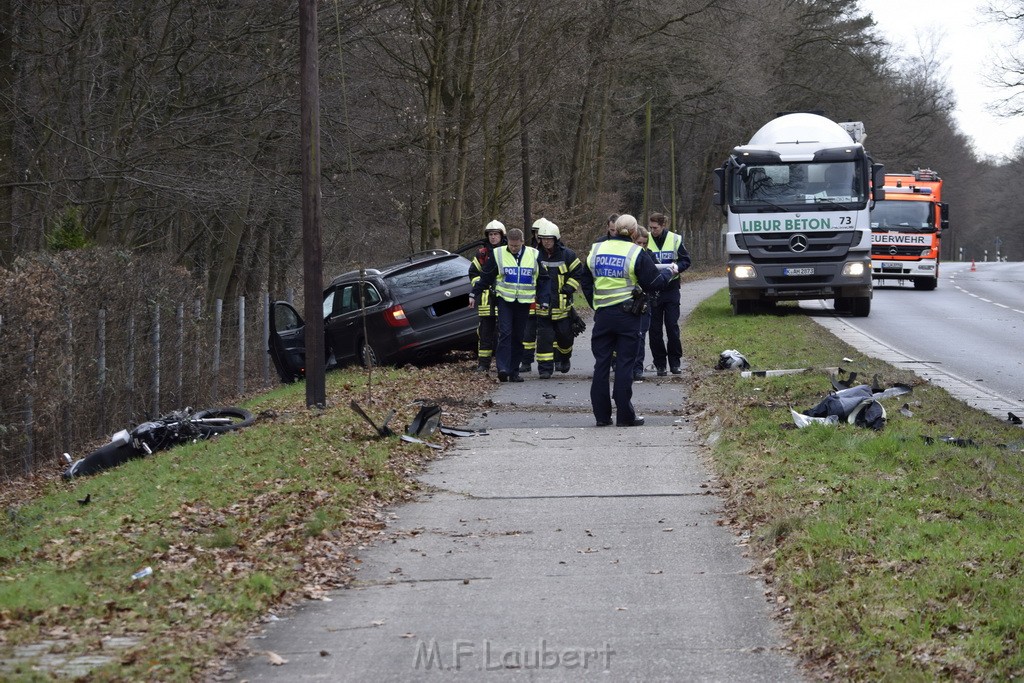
173	429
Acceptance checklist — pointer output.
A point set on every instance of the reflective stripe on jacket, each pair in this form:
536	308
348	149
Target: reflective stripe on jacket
613	264
559	269
516	281
486	305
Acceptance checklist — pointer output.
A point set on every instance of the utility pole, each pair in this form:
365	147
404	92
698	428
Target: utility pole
312	262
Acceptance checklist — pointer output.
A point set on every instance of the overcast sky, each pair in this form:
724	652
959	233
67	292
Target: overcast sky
967	47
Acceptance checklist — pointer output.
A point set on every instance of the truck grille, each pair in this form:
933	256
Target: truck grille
779	246
896	250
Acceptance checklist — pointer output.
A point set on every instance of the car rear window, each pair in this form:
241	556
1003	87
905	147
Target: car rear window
429	275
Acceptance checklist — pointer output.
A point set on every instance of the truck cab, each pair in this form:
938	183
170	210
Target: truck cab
796	200
907	227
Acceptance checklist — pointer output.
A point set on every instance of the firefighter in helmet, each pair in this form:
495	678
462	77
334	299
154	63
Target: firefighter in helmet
487	311
560	271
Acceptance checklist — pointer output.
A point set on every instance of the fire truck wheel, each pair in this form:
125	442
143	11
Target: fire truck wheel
927	284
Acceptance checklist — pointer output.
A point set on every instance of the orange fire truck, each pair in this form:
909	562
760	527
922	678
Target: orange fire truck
906	229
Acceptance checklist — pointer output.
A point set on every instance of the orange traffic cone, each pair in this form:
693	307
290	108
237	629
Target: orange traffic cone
973	268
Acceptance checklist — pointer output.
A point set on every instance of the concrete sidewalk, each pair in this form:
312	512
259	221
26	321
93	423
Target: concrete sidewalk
549	549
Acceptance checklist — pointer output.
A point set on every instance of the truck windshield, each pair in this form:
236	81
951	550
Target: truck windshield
893	214
775	185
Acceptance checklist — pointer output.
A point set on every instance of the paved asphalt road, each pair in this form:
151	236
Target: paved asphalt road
548	549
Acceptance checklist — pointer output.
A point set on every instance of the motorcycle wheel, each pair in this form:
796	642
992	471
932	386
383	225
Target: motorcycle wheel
220	420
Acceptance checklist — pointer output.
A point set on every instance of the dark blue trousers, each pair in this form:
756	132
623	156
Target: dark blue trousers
641	350
615	333
512	319
665	316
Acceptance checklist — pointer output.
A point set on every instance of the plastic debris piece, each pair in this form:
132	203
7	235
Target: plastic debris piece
802	420
426	421
413	439
461	431
142	573
776	373
382	430
958	441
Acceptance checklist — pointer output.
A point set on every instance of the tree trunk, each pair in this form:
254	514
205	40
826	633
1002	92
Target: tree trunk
524	145
602	131
575	168
439	11
467	115
7	165
647	162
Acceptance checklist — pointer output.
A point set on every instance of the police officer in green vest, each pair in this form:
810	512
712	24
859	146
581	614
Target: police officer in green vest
616	275
667	248
513	274
530	336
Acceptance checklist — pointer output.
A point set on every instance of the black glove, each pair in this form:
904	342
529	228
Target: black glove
568	290
576	323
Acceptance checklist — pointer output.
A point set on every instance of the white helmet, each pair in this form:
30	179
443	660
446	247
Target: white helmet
549	229
494	226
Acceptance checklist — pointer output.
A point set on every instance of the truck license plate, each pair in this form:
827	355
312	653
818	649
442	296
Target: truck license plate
891	265
798	271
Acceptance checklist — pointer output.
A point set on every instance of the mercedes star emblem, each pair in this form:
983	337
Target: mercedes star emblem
798	244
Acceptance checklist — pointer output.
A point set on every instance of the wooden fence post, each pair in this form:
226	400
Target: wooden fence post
241	345
264	343
131	367
218	312
156	360
180	319
101	367
67	384
28	462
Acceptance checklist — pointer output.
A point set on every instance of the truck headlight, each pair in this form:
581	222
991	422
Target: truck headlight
744	272
925	252
854	269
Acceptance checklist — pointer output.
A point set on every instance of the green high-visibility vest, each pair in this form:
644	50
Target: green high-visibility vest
516	281
613	263
667	253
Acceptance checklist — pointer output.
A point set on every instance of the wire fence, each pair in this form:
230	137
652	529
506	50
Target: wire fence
67	385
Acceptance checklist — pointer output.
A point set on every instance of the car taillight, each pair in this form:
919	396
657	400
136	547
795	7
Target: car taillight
395	317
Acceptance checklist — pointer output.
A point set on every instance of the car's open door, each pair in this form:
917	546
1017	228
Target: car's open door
287	343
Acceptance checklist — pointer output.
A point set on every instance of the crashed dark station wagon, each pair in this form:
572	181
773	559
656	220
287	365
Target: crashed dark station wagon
409	310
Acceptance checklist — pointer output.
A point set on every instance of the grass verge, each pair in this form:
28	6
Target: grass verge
231	527
891	555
